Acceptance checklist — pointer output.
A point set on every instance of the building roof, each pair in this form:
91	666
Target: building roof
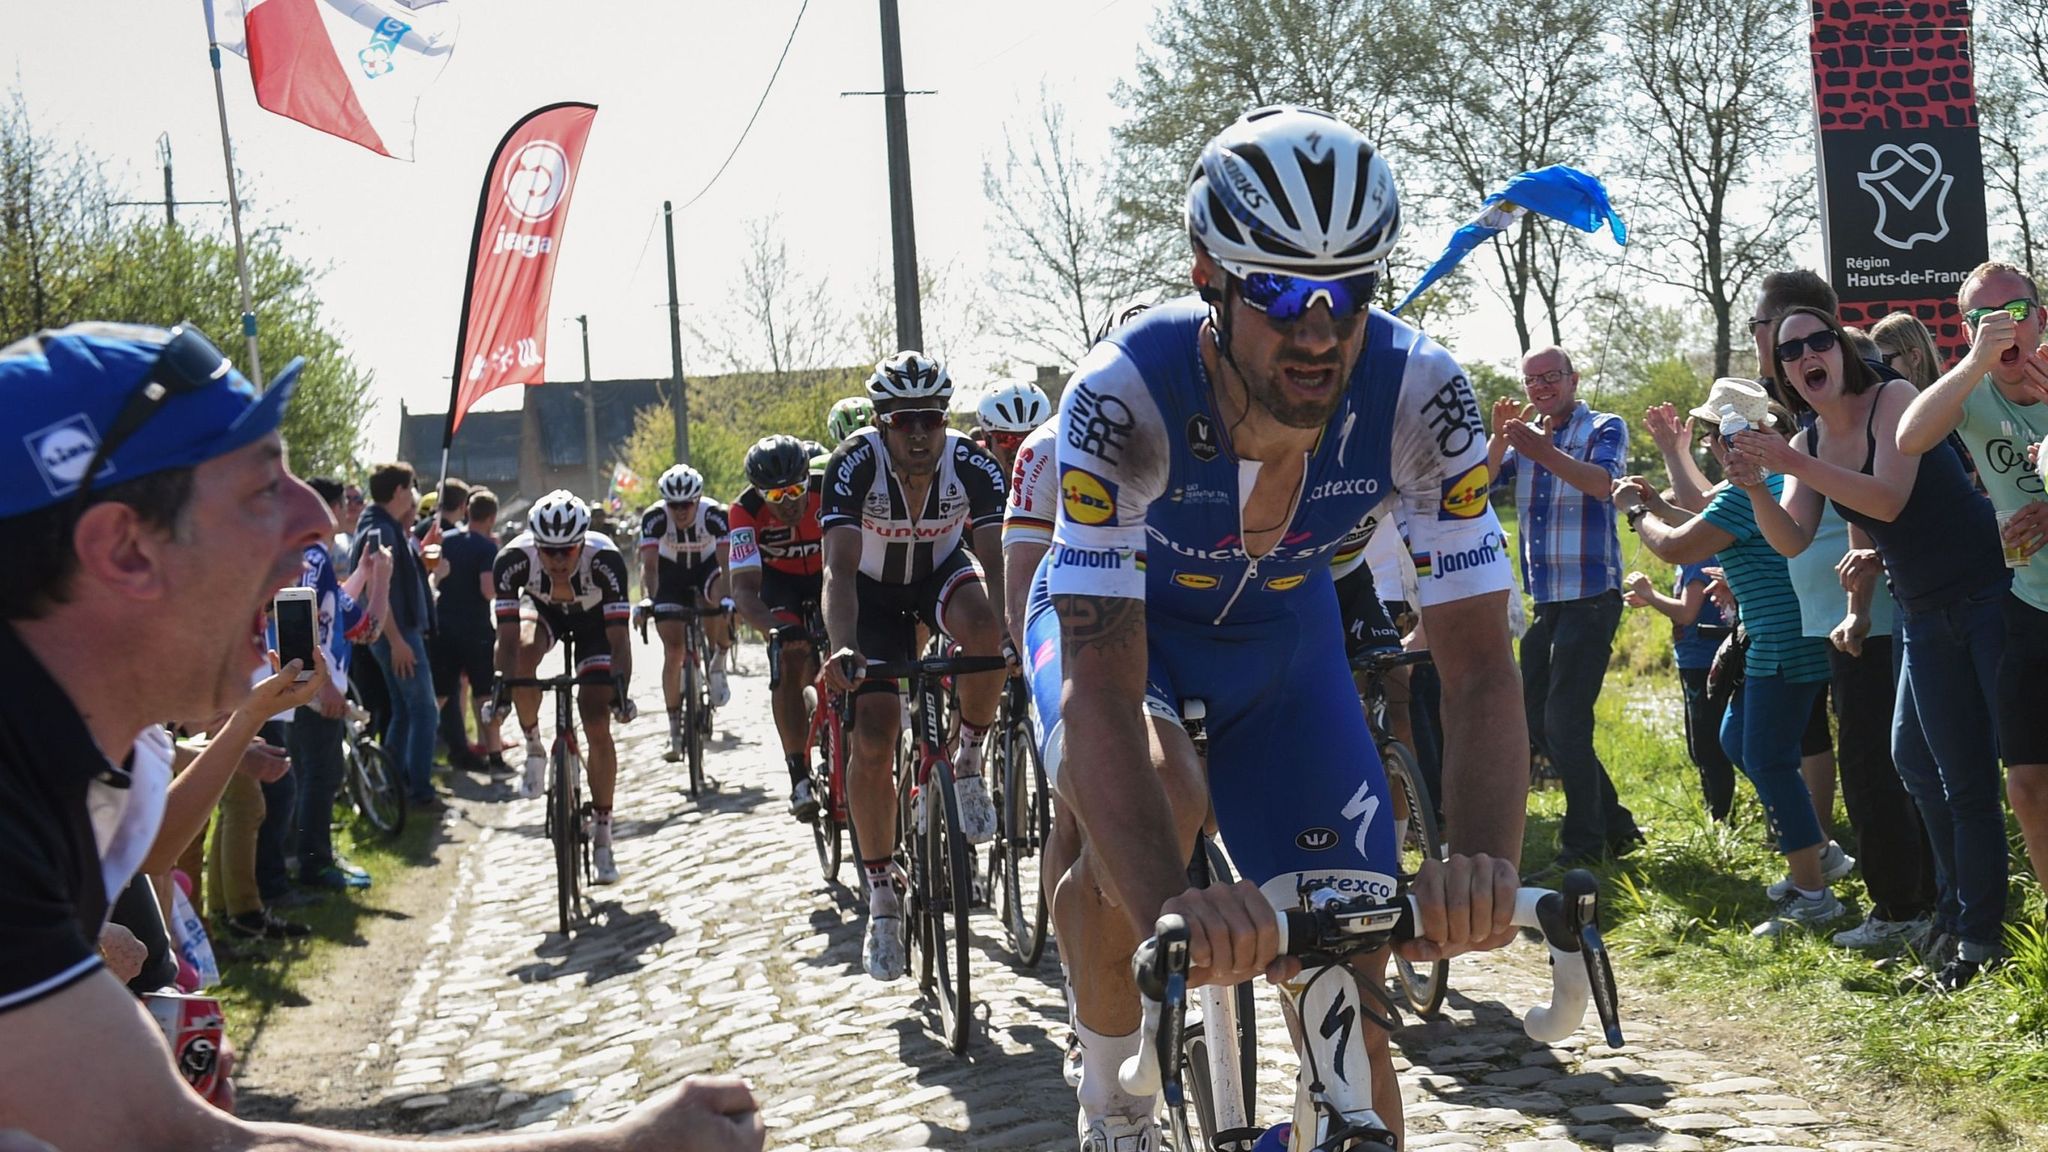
486	448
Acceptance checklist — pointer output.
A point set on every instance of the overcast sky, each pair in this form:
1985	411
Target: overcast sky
674	82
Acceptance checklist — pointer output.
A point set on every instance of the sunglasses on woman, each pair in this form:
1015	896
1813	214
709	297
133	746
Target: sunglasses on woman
1285	299
1793	349
913	419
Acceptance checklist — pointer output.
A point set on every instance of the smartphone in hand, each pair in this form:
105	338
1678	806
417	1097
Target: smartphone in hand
296	634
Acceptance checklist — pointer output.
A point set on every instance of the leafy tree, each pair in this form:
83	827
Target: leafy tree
2011	56
65	258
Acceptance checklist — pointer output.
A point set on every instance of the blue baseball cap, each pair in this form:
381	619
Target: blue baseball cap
63	391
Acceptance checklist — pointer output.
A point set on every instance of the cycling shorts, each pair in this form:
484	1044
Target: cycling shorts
680	585
889	613
1366	623
1293	775
786	593
586	631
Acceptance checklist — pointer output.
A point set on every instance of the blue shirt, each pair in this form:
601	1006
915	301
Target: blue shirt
1763	591
1570	547
336	613
412	610
469	556
1688	648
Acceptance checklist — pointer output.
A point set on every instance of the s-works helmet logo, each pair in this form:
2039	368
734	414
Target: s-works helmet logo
536	179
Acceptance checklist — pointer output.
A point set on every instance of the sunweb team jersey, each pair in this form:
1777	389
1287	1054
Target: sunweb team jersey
1151	494
597	585
760	537
901	545
687	542
1034	490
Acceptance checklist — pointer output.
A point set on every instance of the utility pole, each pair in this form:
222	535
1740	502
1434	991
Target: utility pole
675	340
597	493
170	201
902	225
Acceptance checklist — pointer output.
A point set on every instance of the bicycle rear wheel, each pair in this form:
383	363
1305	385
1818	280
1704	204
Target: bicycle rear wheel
693	737
952	903
1026	826
1422	984
825	767
565	829
373	780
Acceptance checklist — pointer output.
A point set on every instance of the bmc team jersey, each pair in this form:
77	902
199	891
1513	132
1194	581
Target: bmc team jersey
684	543
898	545
760	537
1034	490
1151	496
598	584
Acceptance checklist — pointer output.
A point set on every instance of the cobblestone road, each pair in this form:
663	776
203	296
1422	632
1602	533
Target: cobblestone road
723	950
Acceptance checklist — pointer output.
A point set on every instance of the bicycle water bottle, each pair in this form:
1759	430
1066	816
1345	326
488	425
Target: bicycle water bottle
1732	421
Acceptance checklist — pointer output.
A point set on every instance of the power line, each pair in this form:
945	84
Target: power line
757	108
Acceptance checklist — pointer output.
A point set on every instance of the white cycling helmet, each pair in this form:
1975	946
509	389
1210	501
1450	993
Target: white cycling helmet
1294	191
910	376
1016	406
558	519
681	483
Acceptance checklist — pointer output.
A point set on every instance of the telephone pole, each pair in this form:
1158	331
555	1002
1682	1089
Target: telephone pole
675	340
170	201
902	222
597	492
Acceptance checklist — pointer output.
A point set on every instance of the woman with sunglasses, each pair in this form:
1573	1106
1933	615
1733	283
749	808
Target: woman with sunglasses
1994	400
1939	543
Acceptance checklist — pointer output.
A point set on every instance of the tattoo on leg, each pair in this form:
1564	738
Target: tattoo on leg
1110	623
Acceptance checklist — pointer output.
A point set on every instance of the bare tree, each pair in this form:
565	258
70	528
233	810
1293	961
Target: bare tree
1053	261
1517	89
781	321
2011	58
1719	143
951	305
59	242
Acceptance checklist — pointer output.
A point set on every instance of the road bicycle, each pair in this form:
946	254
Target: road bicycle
369	777
569	816
1422	984
1023	803
930	848
1324	931
686	738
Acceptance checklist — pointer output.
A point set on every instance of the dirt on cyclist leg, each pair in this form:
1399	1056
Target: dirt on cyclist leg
871	778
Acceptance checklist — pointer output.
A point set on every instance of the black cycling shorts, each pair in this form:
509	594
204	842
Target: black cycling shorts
786	594
1366	623
586	630
889	613
680	585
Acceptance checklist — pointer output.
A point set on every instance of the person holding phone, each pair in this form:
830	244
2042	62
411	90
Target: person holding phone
401	651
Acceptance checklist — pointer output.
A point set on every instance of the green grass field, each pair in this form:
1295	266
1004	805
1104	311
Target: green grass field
1681	908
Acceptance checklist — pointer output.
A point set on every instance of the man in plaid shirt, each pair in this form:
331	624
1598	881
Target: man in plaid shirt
1563	459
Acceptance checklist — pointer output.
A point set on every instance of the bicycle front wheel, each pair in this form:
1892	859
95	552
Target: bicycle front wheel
948	856
373	779
693	739
1422	984
566	830
826	767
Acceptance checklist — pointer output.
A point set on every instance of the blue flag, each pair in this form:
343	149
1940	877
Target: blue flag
1561	193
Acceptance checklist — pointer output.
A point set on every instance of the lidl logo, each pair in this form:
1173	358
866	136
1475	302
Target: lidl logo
1465	494
1199	581
1088	498
1283	583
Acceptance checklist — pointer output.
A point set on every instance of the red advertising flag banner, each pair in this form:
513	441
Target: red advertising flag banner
1901	167
520	217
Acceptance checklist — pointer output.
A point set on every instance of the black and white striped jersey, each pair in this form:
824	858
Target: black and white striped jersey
899	546
691	541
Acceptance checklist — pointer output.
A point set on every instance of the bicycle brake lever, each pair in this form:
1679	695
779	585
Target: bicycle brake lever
1581	893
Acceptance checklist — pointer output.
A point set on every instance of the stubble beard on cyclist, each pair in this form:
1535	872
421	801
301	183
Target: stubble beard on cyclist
1269	391
915	466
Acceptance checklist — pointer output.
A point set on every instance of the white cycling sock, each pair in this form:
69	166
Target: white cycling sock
601	831
1101	1056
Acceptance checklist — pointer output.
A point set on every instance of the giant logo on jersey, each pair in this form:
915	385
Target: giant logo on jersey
1465	494
1088	498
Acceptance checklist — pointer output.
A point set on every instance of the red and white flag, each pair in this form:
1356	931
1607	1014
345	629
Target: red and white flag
351	68
520	217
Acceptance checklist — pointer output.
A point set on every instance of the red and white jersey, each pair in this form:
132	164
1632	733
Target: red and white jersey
1034	489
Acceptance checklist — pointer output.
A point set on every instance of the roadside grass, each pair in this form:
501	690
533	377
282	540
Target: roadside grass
265	976
1680	911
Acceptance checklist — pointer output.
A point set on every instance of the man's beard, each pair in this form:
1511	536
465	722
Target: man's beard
1272	396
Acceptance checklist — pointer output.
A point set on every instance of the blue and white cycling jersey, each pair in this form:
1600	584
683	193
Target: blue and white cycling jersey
1151	497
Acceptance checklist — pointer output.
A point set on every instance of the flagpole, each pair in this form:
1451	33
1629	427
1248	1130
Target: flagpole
227	151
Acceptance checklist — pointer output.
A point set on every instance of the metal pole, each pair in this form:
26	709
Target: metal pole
675	340
227	151
902	225
589	413
163	144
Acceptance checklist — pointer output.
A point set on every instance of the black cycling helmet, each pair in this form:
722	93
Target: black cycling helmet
777	461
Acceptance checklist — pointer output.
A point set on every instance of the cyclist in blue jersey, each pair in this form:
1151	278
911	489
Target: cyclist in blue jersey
1213	454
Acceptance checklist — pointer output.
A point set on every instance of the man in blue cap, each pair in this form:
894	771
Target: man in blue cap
148	517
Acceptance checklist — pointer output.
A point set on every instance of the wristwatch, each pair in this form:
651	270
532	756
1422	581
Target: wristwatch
1635	514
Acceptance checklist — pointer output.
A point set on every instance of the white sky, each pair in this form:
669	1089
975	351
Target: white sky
674	83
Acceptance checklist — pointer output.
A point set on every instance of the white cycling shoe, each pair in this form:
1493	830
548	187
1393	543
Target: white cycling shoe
977	811
721	692
532	783
607	868
1119	1134
882	949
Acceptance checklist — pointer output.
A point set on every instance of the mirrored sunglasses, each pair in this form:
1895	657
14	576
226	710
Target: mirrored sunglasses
1287	298
913	419
2020	309
786	492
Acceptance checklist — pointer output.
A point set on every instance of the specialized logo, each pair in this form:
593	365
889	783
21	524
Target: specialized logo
1088	498
1203	444
1316	840
1283	583
1465	494
1363	807
1337	1025
1199	581
63	450
1911	192
536	180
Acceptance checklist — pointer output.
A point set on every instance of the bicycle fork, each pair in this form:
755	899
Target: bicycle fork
1327	1017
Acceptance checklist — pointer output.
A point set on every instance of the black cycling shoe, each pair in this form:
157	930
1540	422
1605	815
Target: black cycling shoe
803	802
